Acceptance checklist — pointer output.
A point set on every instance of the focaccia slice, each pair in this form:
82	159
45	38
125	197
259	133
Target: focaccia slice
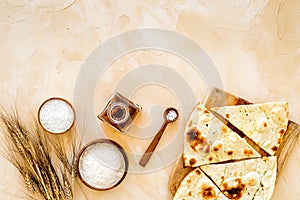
196	186
208	140
245	180
264	123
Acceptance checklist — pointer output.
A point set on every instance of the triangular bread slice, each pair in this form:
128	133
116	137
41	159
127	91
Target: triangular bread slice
208	140
247	179
197	186
264	123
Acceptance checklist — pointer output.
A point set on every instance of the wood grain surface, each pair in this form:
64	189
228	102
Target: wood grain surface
218	97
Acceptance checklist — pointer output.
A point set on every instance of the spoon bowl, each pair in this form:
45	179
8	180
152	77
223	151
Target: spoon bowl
170	115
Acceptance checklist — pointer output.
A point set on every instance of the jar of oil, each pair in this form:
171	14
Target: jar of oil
119	112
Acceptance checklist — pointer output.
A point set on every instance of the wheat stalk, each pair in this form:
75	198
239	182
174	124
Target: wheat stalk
47	168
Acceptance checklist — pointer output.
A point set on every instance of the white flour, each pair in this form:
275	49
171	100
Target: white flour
56	116
101	165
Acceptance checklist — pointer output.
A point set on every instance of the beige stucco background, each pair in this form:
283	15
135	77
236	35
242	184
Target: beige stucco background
254	44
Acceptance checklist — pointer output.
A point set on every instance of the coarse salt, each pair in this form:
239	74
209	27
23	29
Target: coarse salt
102	165
172	115
56	116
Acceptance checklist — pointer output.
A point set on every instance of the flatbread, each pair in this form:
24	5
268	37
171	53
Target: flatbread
197	186
264	123
243	180
208	140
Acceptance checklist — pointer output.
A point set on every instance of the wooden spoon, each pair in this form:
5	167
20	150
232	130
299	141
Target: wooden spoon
170	115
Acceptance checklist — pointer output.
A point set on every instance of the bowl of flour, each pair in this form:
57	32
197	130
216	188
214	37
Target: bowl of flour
102	164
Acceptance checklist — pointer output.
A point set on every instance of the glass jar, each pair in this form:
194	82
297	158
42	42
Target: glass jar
119	112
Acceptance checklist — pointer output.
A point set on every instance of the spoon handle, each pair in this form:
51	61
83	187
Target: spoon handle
148	153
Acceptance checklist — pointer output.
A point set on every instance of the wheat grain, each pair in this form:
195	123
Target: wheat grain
35	154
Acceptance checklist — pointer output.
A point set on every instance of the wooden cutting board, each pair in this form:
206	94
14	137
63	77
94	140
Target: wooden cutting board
216	98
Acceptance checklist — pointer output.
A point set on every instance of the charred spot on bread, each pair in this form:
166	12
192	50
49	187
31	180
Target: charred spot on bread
195	138
281	131
192	161
224	129
248	152
227	115
217	147
265	124
208	192
279	141
190	194
192	134
229	152
210	158
234	192
201	140
274	148
198	172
